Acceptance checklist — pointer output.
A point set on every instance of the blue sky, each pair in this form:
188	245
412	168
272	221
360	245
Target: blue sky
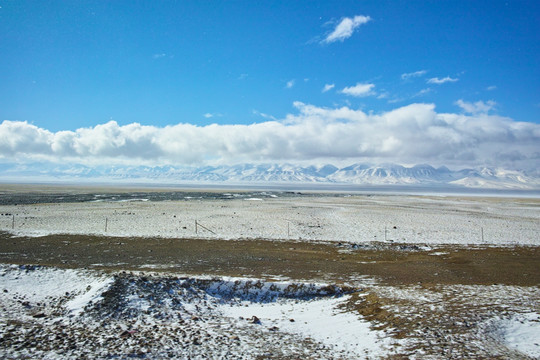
67	66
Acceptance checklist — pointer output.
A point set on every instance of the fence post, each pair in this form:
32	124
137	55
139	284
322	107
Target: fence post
288	230
482	231
106	223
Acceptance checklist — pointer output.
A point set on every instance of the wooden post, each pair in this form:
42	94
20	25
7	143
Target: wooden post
106	223
482	231
288	230
385	233
195	226
13	222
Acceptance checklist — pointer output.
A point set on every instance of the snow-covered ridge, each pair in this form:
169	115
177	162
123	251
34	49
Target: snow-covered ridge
257	290
359	174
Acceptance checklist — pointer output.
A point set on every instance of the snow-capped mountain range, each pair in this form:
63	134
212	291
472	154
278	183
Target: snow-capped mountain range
357	174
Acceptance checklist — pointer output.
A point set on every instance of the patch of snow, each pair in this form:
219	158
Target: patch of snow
439	253
37	284
521	333
321	320
93	292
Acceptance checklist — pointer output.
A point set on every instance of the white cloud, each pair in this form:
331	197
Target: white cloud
438	81
423	92
359	90
159	56
266	116
395	100
478	107
290	83
491	88
410	134
328	87
407	76
345	28
211	115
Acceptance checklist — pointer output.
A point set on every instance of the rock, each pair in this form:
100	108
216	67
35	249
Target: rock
254	320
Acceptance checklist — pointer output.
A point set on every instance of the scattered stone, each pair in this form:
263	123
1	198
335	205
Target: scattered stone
254	320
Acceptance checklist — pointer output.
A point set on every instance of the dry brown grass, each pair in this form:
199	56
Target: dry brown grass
391	263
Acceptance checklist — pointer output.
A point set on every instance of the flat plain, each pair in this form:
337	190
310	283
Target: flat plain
394	276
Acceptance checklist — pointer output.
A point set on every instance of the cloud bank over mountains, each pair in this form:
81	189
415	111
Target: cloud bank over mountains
410	134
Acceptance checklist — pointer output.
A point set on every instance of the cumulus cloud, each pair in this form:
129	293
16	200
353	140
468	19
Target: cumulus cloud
328	87
359	90
438	81
407	76
478	107
415	133
346	28
290	83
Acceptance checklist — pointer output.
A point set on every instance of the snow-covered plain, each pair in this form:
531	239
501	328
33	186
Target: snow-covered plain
409	219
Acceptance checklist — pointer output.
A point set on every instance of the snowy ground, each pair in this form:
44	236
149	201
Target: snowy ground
54	313
410	219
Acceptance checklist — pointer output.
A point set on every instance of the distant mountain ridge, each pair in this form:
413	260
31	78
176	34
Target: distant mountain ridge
358	174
